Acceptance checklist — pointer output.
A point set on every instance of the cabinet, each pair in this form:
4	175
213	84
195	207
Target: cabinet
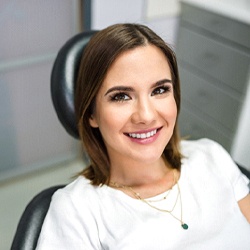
213	53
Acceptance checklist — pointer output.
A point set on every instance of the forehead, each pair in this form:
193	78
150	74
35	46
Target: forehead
142	64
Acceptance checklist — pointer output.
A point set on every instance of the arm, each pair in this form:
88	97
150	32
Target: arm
244	205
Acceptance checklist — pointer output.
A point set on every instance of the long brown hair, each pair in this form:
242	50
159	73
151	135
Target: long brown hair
102	50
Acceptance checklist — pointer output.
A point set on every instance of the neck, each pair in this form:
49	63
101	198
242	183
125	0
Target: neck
134	173
147	179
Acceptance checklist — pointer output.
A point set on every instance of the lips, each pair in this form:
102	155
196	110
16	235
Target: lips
143	135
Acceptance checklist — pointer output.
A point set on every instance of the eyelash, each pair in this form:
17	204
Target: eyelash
122	96
162	89
119	97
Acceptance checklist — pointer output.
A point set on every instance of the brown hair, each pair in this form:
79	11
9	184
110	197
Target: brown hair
102	50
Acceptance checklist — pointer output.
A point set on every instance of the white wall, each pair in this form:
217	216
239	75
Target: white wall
30	133
160	15
31	136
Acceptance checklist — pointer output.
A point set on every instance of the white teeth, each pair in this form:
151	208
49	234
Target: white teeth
143	135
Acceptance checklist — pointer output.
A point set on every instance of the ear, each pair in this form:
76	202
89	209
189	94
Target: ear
93	122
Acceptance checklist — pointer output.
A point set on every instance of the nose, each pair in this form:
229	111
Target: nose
144	111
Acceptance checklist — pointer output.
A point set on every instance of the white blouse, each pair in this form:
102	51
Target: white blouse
82	216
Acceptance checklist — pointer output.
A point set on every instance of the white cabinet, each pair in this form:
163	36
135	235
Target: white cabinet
213	52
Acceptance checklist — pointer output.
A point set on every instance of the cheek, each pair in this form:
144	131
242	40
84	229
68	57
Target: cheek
110	120
168	106
170	112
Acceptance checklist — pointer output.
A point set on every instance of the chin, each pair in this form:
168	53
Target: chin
150	158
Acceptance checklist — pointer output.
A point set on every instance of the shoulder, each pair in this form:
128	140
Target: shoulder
204	145
203	150
79	194
206	158
206	152
72	214
79	185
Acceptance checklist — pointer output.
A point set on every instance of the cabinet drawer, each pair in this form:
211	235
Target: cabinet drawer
194	127
223	26
210	99
213	58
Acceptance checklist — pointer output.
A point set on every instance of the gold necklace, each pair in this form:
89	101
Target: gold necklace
166	195
137	196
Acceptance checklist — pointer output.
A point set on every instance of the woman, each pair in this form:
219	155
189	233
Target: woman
144	188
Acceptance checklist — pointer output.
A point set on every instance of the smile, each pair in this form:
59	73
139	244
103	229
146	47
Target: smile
143	135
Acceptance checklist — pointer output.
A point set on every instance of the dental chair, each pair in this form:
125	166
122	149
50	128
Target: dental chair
63	78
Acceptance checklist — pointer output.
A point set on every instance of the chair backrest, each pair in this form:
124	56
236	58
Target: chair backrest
31	221
244	171
63	77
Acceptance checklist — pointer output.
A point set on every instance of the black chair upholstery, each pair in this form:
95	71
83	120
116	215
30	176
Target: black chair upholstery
31	221
63	79
244	171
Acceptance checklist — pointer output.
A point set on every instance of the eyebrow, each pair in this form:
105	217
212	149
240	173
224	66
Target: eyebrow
126	88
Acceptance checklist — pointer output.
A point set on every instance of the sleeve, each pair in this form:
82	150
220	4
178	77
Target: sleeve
229	168
67	226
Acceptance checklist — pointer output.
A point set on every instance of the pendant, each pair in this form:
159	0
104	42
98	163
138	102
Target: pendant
184	226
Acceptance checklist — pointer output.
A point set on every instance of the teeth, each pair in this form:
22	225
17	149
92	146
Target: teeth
143	135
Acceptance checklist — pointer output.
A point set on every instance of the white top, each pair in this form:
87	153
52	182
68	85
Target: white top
82	216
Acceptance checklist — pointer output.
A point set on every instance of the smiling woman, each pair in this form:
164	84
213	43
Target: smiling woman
135	100
144	188
120	66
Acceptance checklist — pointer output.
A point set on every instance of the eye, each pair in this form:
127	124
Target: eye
119	97
161	90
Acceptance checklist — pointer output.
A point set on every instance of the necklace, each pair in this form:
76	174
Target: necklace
165	196
148	202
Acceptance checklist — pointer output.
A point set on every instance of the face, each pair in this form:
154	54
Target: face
135	108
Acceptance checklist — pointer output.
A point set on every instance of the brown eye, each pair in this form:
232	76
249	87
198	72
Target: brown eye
120	97
161	90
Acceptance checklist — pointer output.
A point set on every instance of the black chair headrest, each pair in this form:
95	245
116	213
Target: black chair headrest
63	78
